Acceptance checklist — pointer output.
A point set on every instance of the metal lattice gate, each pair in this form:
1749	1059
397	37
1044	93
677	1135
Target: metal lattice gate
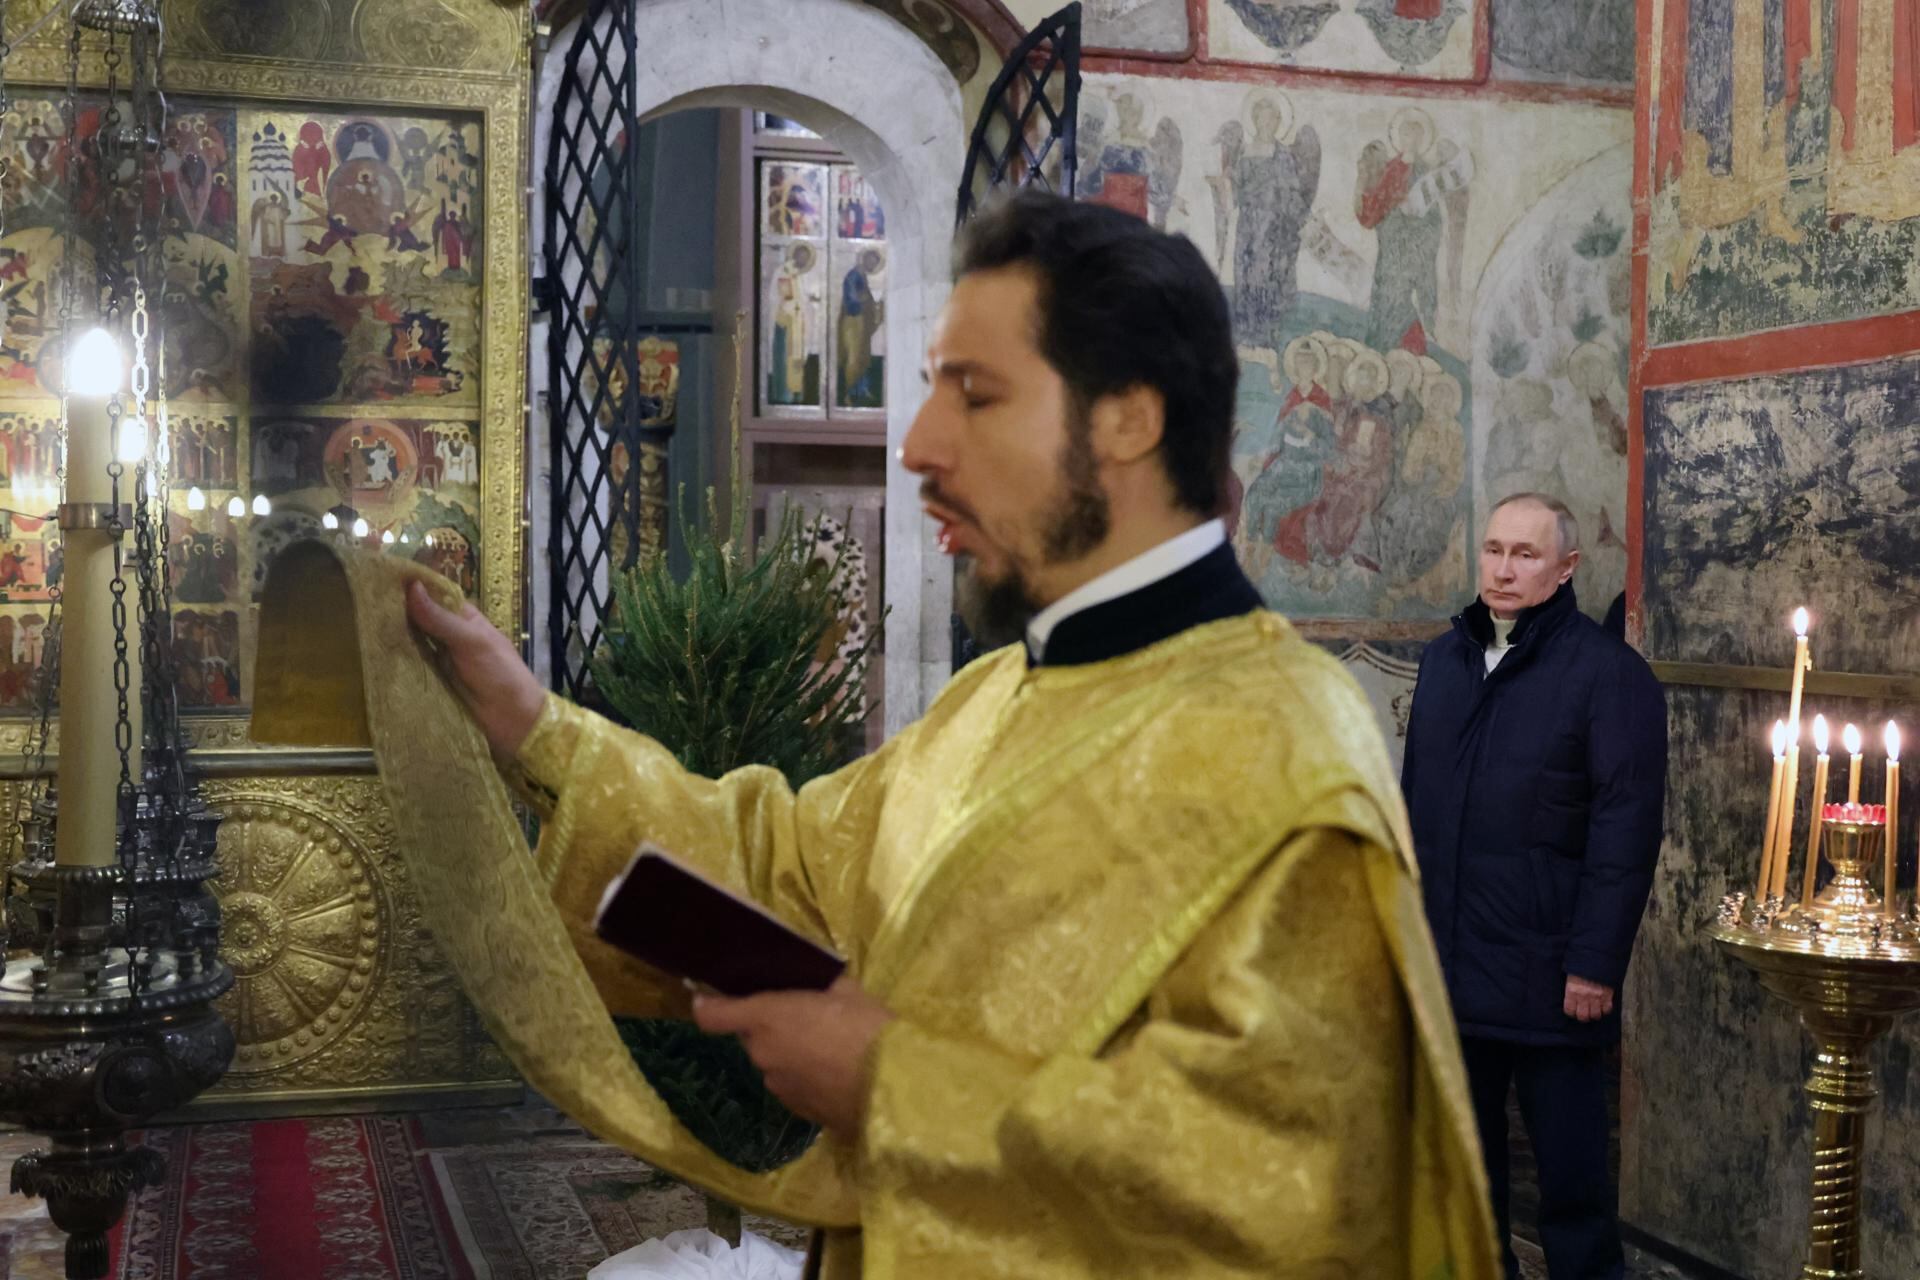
608	458
1027	127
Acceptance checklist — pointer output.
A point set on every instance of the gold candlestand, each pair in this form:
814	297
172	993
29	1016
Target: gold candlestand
1849	968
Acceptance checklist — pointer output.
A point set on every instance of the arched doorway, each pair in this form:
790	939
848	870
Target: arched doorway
881	96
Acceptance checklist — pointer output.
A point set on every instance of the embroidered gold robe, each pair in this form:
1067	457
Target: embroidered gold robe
1167	1001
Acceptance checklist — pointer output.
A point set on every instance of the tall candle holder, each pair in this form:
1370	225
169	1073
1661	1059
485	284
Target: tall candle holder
111	939
1848	961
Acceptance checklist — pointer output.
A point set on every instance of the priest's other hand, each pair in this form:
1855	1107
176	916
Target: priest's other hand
504	697
810	1045
1587	1001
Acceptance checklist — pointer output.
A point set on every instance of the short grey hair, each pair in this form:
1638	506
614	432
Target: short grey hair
1567	527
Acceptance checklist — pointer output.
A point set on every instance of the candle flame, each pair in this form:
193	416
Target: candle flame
1893	743
1800	621
1851	736
93	369
236	507
261	505
196	499
1820	737
329	521
1779	739
360	527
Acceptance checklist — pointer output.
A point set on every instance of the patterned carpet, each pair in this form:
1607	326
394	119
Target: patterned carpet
496	1194
513	1193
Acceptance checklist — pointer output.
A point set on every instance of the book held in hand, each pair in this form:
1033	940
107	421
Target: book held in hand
663	912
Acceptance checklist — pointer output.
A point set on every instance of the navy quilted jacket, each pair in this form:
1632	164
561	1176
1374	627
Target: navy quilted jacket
1537	794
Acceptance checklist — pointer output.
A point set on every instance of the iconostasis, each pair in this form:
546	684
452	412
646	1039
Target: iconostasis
344	310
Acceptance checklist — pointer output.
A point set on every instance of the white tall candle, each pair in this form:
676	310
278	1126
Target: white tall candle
89	765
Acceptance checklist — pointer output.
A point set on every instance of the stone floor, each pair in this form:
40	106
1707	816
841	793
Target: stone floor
1641	1265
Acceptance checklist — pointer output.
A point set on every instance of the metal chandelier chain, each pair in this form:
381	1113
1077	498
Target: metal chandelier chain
111	255
162	710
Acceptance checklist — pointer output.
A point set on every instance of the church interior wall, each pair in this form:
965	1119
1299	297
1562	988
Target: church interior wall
1775	384
1423	225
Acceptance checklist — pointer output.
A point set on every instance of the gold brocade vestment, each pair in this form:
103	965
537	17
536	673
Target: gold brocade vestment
1167	1002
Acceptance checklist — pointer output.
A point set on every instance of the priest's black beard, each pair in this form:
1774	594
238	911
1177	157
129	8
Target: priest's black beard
997	613
1083	518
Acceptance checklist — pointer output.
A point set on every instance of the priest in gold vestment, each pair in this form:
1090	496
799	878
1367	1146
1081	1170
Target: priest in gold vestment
1139	981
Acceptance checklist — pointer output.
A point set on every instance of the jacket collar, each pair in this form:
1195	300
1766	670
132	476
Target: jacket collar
1211	589
1475	622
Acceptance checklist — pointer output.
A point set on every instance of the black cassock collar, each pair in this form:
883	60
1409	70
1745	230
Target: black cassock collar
1211	589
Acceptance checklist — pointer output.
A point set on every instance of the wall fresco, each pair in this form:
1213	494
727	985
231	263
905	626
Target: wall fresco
1786	165
1361	238
1580	42
1421	39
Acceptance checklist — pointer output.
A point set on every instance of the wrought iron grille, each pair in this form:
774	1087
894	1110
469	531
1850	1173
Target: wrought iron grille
593	289
1026	129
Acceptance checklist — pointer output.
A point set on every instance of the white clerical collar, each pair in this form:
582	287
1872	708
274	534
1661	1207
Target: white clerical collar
1145	569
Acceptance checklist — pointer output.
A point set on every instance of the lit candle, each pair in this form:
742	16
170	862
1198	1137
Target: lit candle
1852	739
1819	803
89	768
1893	813
1783	837
1773	809
236	507
1801	661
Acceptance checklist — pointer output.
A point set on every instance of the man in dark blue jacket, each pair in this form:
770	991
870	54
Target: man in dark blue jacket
1535	776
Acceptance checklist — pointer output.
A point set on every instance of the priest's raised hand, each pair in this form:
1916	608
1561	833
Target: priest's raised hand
503	695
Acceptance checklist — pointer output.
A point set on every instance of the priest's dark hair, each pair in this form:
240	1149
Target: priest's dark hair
1123	305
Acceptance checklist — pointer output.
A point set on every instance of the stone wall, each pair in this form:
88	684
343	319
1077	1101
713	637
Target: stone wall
1777	204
